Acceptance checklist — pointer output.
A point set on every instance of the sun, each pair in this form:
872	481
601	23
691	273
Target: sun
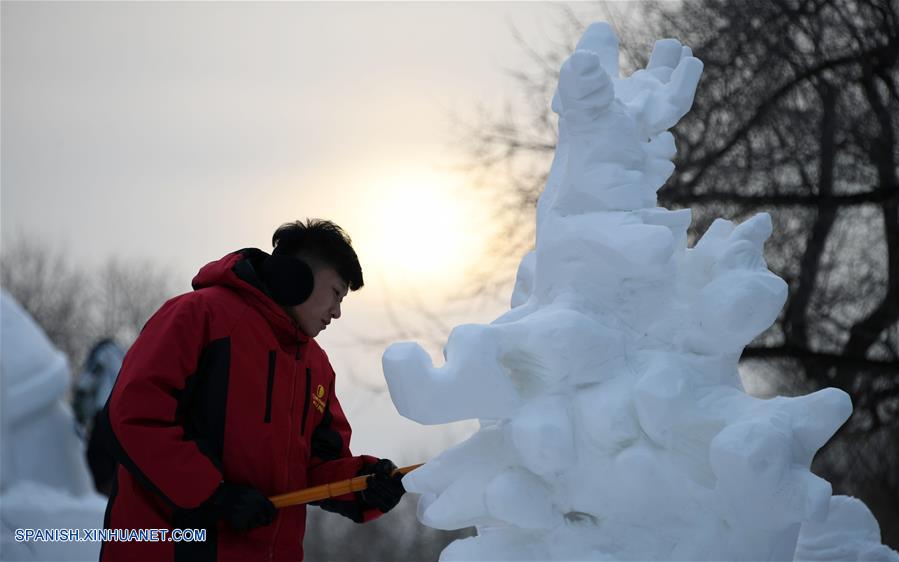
418	227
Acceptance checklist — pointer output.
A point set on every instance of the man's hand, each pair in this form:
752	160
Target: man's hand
384	490
243	507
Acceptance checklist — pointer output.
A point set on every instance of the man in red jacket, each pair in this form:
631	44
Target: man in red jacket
226	399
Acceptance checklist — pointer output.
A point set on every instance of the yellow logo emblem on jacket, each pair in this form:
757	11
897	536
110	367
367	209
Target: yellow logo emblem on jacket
317	399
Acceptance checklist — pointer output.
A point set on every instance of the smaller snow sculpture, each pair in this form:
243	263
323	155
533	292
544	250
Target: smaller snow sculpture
44	483
614	425
101	368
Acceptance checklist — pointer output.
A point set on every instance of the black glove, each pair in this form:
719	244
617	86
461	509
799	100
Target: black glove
243	507
384	490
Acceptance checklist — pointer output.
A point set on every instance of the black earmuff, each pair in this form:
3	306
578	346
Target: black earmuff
289	279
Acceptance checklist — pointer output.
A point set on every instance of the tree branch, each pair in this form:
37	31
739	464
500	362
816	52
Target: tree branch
769	102
796	315
787	351
874	196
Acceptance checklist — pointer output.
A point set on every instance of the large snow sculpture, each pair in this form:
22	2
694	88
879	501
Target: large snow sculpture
614	425
45	483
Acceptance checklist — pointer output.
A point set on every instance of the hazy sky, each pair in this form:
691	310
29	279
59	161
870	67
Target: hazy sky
179	132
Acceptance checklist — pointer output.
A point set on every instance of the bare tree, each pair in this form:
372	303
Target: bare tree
75	306
797	114
127	293
51	290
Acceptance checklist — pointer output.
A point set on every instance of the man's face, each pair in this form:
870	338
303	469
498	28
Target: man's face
323	304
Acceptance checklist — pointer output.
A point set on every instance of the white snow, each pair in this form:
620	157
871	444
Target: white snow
613	423
45	482
850	533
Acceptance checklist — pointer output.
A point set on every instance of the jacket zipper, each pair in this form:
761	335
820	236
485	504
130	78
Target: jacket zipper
308	388
306	401
271	386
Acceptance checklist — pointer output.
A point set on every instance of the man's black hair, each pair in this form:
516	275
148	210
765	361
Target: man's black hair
320	241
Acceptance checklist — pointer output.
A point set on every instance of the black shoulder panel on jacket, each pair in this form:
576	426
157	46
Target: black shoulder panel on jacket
202	402
201	410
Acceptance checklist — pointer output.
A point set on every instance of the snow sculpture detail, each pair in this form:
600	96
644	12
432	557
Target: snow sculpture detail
613	421
44	481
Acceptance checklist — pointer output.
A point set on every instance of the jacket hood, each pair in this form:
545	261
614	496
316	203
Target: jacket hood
239	271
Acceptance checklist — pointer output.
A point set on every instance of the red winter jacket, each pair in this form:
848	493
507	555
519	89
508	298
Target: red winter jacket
222	385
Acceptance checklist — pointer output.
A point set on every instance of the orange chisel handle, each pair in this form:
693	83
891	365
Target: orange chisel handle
331	490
